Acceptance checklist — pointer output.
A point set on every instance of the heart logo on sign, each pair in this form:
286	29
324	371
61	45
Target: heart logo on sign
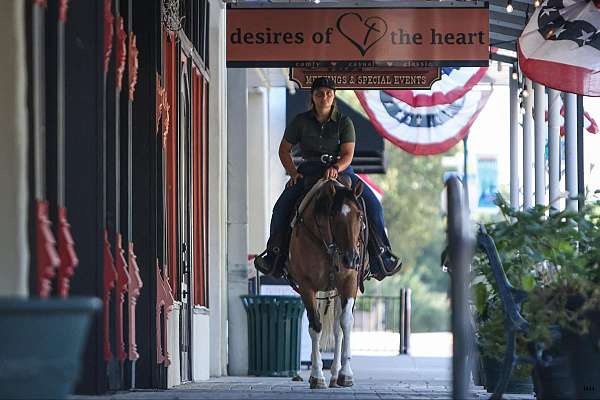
362	32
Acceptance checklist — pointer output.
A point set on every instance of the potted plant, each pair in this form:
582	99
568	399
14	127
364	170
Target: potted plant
564	306
41	346
554	257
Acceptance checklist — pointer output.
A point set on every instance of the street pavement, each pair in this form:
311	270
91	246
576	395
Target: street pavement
376	377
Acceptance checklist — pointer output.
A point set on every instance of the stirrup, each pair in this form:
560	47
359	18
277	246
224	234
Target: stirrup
261	264
396	265
393	264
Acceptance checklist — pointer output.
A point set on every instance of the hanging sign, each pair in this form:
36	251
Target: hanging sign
439	36
368	78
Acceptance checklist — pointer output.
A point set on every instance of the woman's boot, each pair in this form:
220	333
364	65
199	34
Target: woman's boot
269	262
381	259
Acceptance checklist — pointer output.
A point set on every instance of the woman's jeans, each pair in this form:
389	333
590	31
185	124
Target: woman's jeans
290	196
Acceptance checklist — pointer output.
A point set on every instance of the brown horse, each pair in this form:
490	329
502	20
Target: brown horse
327	249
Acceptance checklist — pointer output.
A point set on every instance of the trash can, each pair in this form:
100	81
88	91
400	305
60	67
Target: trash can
274	324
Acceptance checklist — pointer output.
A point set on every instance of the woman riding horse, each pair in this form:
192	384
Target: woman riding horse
326	139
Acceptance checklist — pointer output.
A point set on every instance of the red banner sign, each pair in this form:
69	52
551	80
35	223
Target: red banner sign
452	36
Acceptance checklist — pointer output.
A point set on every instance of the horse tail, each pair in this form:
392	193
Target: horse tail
328	306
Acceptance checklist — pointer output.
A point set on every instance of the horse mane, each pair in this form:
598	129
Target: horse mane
324	200
327	204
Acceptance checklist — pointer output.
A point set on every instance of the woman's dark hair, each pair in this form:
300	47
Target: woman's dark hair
322	82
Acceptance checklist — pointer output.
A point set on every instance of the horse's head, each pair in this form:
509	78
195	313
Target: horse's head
341	206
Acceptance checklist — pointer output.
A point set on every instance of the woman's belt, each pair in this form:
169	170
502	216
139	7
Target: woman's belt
324	159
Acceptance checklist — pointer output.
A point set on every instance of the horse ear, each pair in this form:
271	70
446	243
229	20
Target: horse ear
358	189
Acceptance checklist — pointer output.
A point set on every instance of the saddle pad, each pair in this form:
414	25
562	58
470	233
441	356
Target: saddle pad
308	197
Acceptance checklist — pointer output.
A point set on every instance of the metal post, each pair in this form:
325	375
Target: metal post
571	149
466	169
554	105
580	158
514	140
539	100
527	148
38	90
460	246
407	313
401	349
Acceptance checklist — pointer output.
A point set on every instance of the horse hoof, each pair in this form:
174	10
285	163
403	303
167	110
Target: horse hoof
333	383
345	381
316	383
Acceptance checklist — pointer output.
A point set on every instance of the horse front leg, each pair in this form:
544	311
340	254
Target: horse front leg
316	380
346	376
336	365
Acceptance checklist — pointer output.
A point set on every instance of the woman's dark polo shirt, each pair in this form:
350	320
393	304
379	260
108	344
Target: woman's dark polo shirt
316	138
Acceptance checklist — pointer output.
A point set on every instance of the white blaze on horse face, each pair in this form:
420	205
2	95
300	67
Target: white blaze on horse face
345	210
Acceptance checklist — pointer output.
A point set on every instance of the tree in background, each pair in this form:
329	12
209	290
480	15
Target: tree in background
412	192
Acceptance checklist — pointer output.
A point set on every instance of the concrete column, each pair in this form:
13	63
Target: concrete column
259	203
528	148
277	123
514	139
571	149
539	100
237	220
217	187
13	152
554	104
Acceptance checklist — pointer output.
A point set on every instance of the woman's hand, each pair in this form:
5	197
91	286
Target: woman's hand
294	179
331	173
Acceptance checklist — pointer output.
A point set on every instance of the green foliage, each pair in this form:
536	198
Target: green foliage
491	339
553	256
412	187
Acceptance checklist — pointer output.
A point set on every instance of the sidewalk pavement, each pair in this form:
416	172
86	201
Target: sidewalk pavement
385	378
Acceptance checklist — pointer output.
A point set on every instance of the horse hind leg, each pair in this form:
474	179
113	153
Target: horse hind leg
316	380
346	376
336	365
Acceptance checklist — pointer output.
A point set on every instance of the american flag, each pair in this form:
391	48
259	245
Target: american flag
560	46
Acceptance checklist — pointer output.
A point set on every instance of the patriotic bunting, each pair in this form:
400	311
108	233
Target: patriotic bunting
560	46
454	84
422	130
589	123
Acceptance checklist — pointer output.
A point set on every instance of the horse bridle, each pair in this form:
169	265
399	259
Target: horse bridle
332	249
